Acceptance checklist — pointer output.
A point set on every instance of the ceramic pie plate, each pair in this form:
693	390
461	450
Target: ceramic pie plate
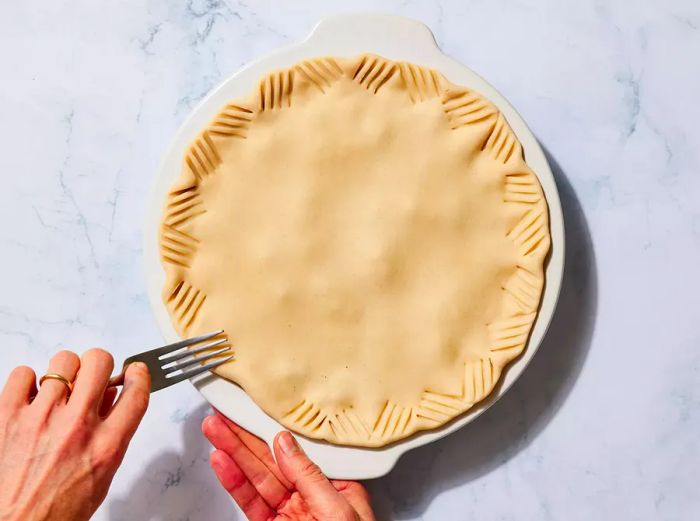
394	38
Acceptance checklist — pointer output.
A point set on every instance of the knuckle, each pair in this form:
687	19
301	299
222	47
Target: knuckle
79	427
358	489
348	513
260	480
246	503
99	356
108	454
65	356
23	372
343	513
309	469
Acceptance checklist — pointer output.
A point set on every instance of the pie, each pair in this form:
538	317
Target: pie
370	238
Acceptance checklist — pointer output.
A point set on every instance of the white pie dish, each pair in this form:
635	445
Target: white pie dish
349	35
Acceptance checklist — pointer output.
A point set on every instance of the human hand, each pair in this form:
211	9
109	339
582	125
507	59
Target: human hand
59	452
293	488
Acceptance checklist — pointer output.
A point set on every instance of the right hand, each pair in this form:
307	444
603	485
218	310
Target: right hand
292	488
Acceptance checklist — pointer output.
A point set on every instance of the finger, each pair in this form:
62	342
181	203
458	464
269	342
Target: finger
323	499
19	388
242	491
95	368
257	447
355	494
65	363
107	401
132	403
257	473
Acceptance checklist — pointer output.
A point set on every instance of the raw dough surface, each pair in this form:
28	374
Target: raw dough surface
372	241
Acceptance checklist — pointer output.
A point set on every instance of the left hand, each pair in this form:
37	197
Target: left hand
59	451
292	488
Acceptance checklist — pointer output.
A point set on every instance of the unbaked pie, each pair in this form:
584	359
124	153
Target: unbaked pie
371	239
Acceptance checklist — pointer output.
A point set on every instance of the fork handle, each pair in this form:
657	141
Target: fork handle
117	379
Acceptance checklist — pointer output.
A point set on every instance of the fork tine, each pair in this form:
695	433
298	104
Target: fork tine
190	373
159	351
169	368
191	352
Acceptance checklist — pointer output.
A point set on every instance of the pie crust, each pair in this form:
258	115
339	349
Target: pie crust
371	240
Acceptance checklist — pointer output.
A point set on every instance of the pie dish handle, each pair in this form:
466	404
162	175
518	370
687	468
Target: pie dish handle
349	28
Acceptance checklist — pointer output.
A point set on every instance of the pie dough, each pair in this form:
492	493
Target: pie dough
370	238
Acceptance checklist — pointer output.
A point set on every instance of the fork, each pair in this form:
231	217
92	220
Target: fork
166	364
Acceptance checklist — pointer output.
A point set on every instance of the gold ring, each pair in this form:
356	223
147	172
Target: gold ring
60	378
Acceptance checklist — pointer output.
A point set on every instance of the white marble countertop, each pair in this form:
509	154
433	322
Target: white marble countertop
605	423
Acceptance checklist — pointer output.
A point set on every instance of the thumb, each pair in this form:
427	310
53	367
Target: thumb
132	403
324	501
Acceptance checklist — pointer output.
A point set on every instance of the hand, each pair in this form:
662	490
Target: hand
58	453
291	489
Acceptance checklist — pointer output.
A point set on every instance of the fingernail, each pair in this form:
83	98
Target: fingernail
140	366
129	377
288	444
137	367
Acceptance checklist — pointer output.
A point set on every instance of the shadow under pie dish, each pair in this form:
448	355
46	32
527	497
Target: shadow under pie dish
371	239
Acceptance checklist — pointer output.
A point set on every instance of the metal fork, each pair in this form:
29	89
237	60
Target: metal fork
166	364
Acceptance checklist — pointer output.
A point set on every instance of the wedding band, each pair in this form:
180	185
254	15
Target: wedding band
56	376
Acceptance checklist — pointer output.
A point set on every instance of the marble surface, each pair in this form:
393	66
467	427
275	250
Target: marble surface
605	423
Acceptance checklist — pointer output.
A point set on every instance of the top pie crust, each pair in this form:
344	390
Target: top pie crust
371	239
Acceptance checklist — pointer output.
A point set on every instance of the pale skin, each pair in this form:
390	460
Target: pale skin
287	486
59	452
